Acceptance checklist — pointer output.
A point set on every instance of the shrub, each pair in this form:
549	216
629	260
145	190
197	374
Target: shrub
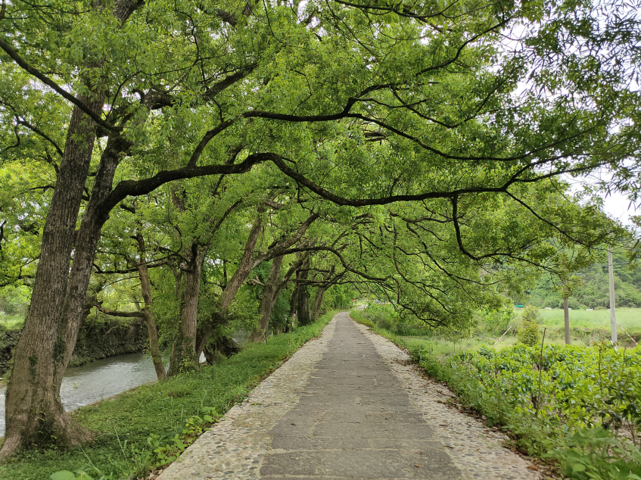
528	333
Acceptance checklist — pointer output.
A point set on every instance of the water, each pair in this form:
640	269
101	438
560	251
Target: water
98	380
105	378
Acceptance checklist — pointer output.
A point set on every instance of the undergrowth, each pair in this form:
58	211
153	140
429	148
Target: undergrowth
577	406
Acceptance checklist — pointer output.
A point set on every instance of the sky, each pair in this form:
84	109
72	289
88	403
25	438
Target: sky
618	206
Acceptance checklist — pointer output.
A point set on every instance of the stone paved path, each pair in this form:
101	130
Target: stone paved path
348	406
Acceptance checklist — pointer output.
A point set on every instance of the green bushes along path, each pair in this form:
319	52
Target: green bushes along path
580	406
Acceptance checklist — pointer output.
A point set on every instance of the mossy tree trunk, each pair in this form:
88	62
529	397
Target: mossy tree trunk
267	302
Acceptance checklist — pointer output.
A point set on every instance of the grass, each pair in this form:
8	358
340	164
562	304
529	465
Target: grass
127	422
11	322
628	318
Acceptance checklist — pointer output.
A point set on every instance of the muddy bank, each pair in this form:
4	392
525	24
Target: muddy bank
98	338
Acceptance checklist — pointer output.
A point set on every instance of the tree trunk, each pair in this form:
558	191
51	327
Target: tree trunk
303	307
222	347
318	301
34	412
184	356
267	302
303	295
245	267
293	301
35	415
145	286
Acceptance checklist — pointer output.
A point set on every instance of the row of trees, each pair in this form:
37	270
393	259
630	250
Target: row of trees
416	149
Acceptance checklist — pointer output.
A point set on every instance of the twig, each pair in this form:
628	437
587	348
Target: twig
502	336
538	400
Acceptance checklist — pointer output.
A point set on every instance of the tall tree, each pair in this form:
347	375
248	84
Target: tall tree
360	104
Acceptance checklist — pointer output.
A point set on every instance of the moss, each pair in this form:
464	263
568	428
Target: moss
33	362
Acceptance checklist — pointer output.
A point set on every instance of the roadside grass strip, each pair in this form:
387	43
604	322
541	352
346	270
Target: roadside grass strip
146	428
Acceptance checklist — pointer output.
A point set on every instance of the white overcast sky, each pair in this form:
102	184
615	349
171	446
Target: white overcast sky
618	206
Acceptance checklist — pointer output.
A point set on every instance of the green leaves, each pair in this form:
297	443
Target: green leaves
66	475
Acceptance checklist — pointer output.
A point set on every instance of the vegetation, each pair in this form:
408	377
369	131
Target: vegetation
147	427
200	167
575	404
528	332
591	290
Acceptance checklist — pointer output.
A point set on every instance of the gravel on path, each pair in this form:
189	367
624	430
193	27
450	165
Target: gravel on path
348	405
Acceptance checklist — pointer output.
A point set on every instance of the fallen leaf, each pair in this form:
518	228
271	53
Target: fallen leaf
532	467
418	466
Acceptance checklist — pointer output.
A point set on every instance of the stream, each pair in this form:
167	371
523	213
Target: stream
105	378
98	380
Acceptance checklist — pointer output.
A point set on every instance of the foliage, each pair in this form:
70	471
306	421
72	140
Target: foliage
495	321
586	415
581	388
165	451
136	423
528	332
592	290
593	454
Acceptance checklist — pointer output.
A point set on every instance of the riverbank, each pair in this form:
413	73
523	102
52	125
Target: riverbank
99	337
141	429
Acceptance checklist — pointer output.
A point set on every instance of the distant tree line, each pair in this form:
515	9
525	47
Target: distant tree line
592	286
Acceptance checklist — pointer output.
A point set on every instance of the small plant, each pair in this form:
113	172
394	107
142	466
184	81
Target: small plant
595	454
67	475
167	451
529	333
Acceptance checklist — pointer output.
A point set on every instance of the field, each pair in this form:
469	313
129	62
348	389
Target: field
628	318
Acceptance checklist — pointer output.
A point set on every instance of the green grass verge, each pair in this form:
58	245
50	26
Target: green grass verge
133	424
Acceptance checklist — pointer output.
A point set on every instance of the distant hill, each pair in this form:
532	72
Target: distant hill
593	291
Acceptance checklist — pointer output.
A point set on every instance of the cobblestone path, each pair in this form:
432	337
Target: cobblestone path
347	406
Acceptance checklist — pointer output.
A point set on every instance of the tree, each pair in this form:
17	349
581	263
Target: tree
359	104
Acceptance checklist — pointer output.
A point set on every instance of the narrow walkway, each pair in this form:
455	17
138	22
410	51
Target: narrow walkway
354	421
347	406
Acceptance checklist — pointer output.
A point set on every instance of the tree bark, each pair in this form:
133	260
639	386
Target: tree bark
293	301
145	287
318	301
267	302
302	307
184	356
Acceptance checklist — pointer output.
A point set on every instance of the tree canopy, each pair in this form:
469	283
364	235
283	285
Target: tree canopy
194	152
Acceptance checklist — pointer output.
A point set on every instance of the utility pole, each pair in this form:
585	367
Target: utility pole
613	317
566	317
